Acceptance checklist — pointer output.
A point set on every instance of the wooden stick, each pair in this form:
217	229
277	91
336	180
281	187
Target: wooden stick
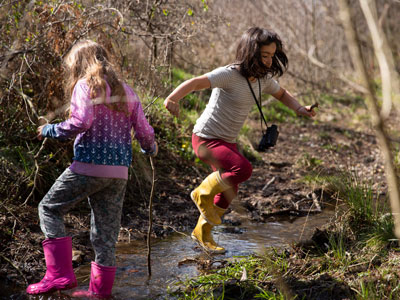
150	219
315	105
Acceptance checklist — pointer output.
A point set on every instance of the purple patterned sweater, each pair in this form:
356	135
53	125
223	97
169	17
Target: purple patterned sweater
103	144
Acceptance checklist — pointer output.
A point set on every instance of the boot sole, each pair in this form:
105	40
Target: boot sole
198	208
194	238
55	288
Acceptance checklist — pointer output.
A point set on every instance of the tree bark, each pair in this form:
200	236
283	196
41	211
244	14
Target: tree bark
372	102
383	55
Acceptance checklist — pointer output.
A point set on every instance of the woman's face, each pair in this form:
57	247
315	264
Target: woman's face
267	53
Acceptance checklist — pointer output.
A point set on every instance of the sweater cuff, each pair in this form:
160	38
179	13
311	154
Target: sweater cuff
49	131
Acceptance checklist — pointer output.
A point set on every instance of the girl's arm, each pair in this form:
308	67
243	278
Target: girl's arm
144	132
286	98
171	103
80	120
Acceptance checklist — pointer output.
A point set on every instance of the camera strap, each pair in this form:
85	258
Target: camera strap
255	99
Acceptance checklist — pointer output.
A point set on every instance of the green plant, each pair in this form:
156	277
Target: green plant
309	162
278	112
381	233
269	295
359	197
338	247
332	183
227	283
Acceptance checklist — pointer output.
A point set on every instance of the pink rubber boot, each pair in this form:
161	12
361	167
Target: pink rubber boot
101	282
59	274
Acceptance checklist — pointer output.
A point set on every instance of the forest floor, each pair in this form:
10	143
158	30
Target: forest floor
327	146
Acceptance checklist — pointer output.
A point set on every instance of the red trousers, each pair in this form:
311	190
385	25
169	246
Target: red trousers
226	158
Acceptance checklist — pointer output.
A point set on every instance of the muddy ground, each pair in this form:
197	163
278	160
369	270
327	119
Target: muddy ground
325	146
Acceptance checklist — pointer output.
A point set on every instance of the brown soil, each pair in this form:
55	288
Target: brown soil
274	190
276	187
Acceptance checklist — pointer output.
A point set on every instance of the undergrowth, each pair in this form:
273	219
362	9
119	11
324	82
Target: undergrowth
354	257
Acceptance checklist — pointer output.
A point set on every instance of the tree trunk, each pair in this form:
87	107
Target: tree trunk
372	102
383	55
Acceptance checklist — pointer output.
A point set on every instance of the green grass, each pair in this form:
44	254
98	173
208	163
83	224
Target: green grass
229	282
276	112
355	256
173	134
367	212
309	162
18	156
179	75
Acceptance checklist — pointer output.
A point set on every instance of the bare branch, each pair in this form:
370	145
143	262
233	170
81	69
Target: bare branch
372	101
330	70
383	55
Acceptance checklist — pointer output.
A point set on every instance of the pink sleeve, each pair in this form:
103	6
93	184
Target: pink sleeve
81	116
144	133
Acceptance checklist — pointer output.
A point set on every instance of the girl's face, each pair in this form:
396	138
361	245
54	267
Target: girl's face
267	53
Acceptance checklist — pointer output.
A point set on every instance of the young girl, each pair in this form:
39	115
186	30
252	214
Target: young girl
259	58
103	112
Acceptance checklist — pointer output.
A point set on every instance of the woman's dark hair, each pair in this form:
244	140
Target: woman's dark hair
248	54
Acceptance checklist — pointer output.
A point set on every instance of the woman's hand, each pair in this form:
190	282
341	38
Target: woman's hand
172	106
39	132
306	111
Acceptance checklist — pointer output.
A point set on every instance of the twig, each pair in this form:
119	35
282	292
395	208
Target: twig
36	172
15	217
315	202
173	228
150	219
151	103
197	171
15	267
268	184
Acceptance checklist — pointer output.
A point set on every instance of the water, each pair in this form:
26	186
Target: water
169	256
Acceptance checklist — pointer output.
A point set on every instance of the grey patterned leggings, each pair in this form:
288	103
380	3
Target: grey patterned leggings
105	196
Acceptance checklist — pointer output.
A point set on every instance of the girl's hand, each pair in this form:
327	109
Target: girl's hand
39	132
172	106
306	111
152	153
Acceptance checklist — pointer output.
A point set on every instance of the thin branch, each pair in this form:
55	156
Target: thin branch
9	56
373	107
329	69
151	103
383	55
11	213
150	218
15	267
36	172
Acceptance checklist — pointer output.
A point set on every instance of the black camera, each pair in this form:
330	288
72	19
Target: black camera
269	138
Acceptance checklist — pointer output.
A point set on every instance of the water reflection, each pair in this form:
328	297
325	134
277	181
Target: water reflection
172	258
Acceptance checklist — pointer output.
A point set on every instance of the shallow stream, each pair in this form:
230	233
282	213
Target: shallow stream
172	257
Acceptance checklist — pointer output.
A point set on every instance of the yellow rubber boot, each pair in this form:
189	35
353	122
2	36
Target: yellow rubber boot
203	197
220	211
202	234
